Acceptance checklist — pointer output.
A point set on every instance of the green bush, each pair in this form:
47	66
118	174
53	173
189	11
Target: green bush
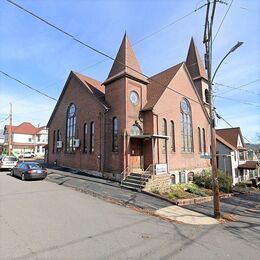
205	180
196	191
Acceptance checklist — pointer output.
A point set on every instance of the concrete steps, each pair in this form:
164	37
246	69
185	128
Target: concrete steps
135	181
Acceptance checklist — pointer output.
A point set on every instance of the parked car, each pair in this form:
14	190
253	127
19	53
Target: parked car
29	171
8	162
28	155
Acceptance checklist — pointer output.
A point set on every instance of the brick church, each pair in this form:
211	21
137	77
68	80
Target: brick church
130	123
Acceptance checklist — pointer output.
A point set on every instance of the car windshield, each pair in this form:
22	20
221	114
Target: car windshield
34	166
10	158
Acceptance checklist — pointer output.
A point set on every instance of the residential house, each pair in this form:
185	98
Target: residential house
233	156
130	123
26	137
2	139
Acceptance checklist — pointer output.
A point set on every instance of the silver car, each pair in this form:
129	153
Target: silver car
8	162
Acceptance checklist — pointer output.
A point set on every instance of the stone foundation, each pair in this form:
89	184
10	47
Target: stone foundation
160	182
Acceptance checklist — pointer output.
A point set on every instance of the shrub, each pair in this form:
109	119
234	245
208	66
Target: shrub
196	191
205	180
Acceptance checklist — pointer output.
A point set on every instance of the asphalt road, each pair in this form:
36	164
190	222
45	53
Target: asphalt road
42	220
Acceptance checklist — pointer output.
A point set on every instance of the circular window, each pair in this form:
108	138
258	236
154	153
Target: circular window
134	97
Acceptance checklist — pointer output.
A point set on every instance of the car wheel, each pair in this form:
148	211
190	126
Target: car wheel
23	177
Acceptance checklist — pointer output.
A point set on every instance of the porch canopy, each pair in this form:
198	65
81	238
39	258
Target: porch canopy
249	165
149	136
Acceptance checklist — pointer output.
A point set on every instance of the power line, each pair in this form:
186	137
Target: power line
223	20
221	117
239	87
137	42
26	85
4	119
238	101
93	48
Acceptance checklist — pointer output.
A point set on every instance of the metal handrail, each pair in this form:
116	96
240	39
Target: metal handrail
144	172
125	173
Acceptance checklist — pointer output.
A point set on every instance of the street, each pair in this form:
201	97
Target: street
43	220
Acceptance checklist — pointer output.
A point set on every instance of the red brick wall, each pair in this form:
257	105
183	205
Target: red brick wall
168	107
87	110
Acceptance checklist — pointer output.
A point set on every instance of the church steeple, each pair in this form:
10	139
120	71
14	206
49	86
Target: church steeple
194	62
125	59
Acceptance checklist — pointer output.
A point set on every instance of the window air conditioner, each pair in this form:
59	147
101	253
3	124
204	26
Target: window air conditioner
76	142
59	144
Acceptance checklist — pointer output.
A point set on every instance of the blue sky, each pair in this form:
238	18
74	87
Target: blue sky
42	57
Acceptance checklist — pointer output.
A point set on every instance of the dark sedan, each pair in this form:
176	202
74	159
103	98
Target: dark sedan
29	171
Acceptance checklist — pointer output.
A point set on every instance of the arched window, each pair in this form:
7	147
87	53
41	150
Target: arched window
199	140
204	140
85	138
164	132
135	130
115	135
92	134
206	95
71	127
58	139
186	126
172	136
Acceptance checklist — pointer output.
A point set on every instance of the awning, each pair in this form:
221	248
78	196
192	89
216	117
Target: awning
150	136
240	148
249	165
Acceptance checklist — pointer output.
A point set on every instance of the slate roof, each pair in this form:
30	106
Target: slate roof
230	135
194	62
158	84
125	59
94	86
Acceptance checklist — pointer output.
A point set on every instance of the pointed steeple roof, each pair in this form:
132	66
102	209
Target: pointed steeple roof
194	62
126	63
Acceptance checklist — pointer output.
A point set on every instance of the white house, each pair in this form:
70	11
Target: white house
26	137
233	157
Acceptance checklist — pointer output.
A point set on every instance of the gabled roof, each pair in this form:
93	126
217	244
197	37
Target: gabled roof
93	86
223	141
231	135
194	62
125	59
24	128
158	84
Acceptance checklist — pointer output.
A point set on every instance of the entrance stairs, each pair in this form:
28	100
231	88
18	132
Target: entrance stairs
136	180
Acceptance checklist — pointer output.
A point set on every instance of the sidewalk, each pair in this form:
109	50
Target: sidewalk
113	192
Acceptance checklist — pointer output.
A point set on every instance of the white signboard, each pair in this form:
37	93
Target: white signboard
161	168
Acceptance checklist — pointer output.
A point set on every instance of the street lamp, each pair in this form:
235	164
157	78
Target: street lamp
212	128
231	50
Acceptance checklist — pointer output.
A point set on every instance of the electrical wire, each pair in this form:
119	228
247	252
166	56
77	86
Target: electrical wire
221	117
239	87
238	101
93	48
223	20
26	85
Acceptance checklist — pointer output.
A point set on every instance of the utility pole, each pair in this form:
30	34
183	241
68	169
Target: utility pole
10	146
208	59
